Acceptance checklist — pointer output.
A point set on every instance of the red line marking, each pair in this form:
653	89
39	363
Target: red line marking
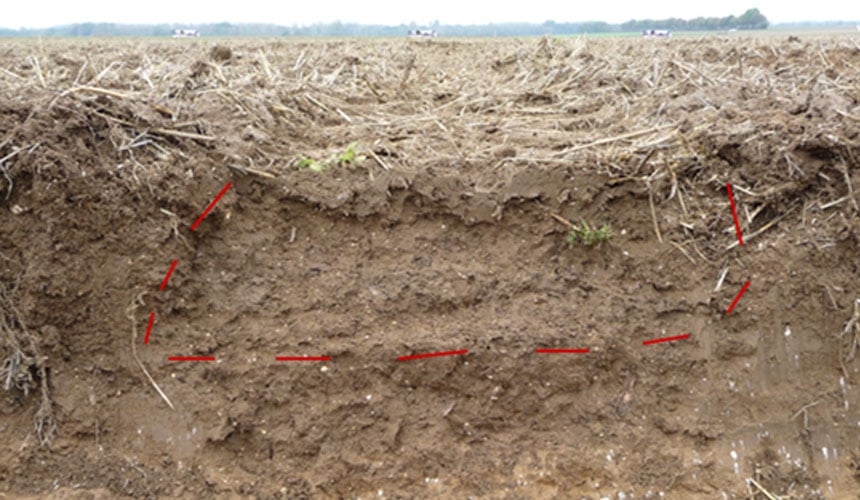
149	327
432	355
191	358
735	302
169	272
666	339
302	358
209	208
561	351
735	214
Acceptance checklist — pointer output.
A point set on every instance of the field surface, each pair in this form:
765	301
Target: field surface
390	198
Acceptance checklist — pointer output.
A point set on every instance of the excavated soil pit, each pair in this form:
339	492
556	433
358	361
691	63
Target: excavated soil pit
448	233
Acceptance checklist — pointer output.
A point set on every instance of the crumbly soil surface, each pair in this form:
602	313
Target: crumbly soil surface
448	231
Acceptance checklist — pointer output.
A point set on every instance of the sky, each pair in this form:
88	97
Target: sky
45	13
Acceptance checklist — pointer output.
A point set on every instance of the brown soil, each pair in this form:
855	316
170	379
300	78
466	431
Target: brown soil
442	238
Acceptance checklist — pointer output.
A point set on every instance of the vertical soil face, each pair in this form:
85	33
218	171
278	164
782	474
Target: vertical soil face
447	231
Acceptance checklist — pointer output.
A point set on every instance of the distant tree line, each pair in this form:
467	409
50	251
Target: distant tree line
751	19
146	30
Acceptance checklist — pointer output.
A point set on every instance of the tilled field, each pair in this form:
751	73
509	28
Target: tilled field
390	198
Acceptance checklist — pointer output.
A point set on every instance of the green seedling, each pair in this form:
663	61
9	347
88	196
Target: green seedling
349	157
588	236
312	165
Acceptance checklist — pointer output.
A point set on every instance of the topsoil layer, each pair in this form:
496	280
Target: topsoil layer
448	231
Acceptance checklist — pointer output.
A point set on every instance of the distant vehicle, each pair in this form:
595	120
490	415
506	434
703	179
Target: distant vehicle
422	33
656	33
185	33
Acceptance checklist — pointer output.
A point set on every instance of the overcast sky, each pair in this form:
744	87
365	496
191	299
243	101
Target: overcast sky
43	13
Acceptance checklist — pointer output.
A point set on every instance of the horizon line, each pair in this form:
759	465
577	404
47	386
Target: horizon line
393	25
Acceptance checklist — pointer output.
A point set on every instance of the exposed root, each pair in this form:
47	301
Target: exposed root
44	421
851	336
130	315
767	494
24	366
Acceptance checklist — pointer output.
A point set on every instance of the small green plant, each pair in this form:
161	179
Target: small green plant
589	236
312	165
349	157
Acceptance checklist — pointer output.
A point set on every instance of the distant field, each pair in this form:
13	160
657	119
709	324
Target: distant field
846	30
742	33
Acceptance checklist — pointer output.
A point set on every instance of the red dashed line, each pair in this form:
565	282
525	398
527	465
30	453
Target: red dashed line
191	358
740	294
432	355
169	273
561	351
735	214
149	327
302	358
422	355
666	339
210	207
